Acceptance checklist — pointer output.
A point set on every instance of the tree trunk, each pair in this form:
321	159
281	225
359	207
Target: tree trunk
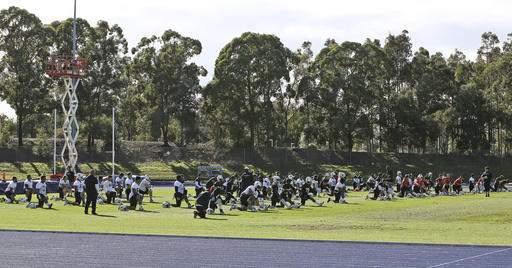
165	132
251	130
20	130
350	146
182	134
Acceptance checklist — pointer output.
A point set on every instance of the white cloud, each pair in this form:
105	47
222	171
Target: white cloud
438	25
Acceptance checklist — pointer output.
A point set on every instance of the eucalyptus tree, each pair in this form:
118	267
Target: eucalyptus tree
24	47
162	70
249	74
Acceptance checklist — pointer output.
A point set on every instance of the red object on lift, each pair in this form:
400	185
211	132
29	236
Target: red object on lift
65	66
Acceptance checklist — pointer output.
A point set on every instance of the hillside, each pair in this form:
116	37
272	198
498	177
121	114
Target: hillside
165	162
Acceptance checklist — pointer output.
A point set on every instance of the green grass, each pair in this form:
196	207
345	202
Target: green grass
468	219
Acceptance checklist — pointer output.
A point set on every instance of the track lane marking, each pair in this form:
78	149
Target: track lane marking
469	258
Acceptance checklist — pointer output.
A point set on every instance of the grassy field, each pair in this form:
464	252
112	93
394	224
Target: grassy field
468	219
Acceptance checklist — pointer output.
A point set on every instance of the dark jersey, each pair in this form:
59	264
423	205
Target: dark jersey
203	199
90	184
305	189
487	175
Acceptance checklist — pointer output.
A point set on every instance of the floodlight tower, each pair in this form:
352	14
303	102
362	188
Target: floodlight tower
71	69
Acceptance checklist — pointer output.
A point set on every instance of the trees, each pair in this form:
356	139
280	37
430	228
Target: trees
24	46
345	92
249	74
162	70
350	95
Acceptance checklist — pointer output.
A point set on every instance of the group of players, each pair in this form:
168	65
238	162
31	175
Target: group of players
248	191
381	187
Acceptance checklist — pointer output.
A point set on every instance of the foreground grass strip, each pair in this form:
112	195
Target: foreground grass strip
469	219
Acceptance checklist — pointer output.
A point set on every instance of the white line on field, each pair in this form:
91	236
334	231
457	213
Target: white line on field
472	257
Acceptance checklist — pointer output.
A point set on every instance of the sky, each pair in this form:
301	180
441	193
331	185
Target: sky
438	25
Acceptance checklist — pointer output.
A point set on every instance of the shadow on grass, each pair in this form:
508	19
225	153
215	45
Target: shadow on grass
148	211
215	219
105	216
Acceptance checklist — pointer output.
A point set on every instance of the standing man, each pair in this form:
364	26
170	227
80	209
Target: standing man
28	185
487	175
91	189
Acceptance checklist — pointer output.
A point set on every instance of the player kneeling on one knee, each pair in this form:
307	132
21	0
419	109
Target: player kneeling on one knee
339	193
134	193
145	188
180	193
10	191
42	195
305	193
249	197
207	202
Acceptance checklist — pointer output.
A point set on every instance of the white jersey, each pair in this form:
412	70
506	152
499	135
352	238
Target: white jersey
471	180
107	186
332	181
145	185
339	186
41	187
63	183
11	186
181	187
128	182
250	190
135	189
398	180
299	182
266	183
198	184
79	185
28	184
119	181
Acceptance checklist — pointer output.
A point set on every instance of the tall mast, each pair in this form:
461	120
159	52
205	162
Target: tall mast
74	52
